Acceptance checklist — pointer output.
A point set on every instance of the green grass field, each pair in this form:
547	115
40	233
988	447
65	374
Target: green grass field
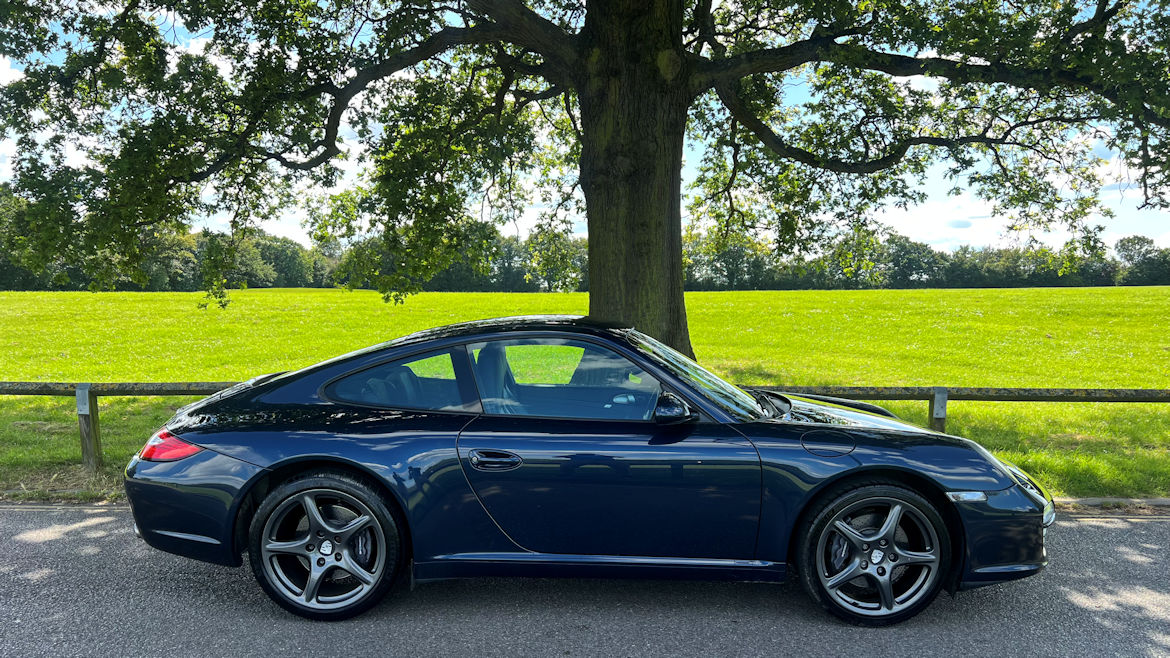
1097	337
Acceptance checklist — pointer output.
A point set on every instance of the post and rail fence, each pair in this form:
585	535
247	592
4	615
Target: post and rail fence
87	403
87	395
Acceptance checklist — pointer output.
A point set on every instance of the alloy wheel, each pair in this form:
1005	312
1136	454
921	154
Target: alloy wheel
323	549
878	556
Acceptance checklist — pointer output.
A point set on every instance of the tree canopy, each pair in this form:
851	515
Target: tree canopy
463	114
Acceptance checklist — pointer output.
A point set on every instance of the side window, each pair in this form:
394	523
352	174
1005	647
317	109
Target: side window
544	364
561	378
420	382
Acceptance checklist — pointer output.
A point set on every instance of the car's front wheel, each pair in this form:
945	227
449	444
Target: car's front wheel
324	546
874	554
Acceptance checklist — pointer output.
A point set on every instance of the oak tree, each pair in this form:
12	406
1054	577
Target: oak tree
132	117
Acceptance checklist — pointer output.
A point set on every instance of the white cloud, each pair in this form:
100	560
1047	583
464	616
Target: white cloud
923	83
199	45
941	222
290	225
8	72
75	157
947	222
7	153
524	224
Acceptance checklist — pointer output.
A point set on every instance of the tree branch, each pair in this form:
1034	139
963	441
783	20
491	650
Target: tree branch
516	24
893	154
326	146
98	55
703	25
1103	14
1016	76
823	47
530	30
711	73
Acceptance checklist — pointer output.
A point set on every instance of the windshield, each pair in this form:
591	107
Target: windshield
729	398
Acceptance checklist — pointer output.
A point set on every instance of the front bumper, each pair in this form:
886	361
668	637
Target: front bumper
1005	535
188	507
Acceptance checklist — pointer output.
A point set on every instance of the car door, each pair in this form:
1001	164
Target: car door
567	458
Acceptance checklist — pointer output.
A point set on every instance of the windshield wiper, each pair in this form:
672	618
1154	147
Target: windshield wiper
769	401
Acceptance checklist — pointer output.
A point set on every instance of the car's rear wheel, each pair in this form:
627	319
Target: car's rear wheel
874	553
324	546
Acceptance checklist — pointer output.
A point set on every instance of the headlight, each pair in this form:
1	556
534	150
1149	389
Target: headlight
1017	475
1025	481
1034	490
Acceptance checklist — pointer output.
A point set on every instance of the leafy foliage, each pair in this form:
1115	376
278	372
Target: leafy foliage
135	117
877	260
210	261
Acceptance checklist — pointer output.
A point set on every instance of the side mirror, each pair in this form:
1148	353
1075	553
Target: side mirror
671	410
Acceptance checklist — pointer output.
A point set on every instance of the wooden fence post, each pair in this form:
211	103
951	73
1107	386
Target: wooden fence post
87	420
938	409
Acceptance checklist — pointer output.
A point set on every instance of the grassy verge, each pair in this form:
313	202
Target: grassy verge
1076	449
1113	337
40	451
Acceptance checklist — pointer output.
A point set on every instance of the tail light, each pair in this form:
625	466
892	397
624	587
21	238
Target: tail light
166	447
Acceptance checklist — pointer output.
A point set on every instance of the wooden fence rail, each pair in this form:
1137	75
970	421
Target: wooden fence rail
87	403
91	452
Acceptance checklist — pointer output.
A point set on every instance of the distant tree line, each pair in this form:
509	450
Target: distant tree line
545	261
851	261
183	263
552	261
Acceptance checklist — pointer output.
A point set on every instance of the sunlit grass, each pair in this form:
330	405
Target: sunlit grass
40	446
1099	337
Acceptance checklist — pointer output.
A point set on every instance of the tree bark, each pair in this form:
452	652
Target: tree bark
634	97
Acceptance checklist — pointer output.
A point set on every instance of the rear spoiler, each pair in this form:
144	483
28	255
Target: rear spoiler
228	392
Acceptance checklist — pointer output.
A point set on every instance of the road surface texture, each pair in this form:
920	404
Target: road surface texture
74	581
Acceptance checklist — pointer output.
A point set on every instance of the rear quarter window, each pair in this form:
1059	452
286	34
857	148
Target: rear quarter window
427	382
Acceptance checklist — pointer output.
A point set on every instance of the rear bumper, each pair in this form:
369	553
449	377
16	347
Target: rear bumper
1005	537
188	507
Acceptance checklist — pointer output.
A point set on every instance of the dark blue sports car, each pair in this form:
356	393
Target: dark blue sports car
558	446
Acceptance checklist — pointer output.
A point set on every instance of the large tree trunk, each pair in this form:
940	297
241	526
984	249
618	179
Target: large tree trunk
634	99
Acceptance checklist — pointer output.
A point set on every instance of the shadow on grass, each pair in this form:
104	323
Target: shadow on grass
753	374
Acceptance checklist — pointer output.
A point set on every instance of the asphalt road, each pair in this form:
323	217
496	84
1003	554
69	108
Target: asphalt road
75	581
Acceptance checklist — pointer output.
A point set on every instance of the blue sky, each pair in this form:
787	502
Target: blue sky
945	222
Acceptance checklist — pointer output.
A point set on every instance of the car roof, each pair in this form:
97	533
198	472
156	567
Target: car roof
467	330
571	323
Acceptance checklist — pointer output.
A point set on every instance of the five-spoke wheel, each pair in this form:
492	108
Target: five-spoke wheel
874	554
324	546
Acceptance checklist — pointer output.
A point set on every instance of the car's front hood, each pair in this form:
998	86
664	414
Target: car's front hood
811	411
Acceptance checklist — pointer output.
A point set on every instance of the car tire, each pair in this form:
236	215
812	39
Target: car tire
873	553
325	545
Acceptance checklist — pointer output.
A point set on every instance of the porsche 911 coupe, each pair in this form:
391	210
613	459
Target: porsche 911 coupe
559	446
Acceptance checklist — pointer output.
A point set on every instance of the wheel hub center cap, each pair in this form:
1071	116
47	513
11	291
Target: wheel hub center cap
875	557
327	547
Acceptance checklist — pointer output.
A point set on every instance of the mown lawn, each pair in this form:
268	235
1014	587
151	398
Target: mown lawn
1098	337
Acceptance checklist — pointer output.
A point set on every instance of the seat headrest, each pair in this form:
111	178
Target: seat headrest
402	383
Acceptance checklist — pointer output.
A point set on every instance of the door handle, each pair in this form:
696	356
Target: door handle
494	460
